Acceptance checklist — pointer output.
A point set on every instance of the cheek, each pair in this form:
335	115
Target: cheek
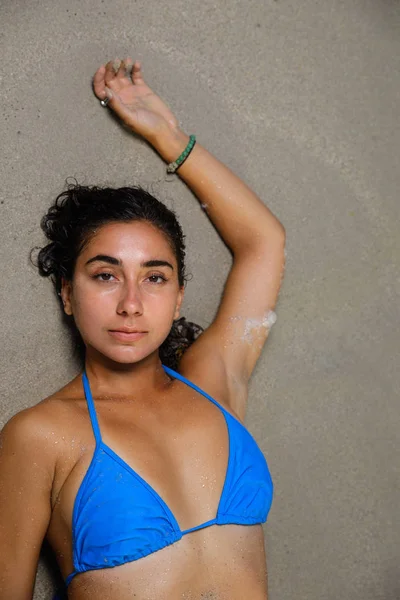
85	320
90	308
159	305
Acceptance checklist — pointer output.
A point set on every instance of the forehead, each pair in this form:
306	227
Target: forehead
130	239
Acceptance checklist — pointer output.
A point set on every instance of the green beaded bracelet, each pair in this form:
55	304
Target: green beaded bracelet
174	166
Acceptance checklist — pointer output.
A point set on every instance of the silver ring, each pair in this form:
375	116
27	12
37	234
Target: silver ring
105	101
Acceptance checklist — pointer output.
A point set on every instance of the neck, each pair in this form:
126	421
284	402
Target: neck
108	377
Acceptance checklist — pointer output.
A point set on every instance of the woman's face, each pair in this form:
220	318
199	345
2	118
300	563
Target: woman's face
125	280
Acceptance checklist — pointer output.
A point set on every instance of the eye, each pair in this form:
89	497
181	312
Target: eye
152	279
106	276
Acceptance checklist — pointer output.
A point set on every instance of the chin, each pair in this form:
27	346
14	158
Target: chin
124	354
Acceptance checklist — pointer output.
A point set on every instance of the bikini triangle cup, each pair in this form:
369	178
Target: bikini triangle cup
118	517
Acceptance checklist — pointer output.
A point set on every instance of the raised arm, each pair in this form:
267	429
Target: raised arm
228	350
25	506
232	344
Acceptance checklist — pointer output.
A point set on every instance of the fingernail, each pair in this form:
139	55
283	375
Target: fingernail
116	65
109	93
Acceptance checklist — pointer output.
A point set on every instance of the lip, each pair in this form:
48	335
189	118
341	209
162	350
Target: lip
126	335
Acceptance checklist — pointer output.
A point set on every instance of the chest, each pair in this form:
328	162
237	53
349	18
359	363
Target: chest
178	445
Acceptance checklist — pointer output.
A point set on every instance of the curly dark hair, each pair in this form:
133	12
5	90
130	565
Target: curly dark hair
72	220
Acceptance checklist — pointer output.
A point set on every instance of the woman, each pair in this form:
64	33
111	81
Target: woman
144	480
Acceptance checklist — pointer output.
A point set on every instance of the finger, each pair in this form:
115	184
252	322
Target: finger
137	73
99	83
128	67
110	72
121	72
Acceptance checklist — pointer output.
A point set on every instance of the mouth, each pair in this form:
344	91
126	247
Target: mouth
127	335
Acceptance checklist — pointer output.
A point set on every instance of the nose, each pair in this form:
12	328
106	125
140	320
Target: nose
130	301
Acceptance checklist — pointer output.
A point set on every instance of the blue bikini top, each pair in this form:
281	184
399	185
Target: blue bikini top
118	517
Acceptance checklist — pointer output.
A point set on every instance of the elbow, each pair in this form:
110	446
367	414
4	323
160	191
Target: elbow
276	235
280	230
271	244
265	238
274	242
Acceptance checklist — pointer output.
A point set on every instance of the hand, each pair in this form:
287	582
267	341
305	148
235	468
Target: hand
132	100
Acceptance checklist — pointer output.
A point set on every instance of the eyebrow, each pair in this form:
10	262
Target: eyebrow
111	260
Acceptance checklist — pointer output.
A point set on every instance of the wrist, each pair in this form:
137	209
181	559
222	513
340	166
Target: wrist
170	143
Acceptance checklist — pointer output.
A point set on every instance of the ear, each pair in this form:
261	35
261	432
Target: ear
66	293
179	301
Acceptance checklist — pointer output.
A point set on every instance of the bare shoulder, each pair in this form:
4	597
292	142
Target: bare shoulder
37	429
27	457
29	425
